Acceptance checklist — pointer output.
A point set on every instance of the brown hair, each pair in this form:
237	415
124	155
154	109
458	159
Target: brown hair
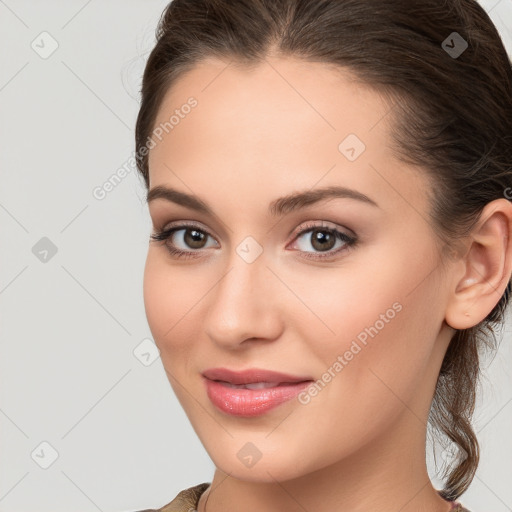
452	115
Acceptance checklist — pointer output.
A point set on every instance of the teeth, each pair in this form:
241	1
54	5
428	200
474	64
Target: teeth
254	385
261	385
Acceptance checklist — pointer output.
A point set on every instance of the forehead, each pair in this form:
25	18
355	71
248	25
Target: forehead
273	94
283	121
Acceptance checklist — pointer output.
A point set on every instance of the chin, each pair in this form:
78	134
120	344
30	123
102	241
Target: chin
257	460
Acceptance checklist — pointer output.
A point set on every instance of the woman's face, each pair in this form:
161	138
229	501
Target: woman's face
263	289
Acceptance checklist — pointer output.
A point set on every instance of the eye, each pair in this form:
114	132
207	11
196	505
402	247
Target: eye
323	239
180	239
188	240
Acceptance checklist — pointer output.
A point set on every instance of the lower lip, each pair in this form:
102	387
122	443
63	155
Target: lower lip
251	402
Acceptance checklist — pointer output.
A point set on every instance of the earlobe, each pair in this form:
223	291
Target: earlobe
487	268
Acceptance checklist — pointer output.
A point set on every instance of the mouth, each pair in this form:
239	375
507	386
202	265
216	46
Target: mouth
258	376
252	399
256	385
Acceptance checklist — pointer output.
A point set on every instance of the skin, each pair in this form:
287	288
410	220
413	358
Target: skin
258	134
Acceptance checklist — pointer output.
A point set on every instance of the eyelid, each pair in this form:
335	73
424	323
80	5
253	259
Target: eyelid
318	224
179	225
300	229
161	213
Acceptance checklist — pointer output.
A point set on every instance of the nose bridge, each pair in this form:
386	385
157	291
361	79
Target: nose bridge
242	303
246	270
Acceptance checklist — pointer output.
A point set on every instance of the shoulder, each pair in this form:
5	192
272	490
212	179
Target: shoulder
185	501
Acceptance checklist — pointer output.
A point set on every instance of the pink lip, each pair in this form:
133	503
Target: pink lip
251	375
251	402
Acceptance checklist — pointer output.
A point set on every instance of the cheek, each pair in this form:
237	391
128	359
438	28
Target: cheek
370	369
170	301
381	328
157	302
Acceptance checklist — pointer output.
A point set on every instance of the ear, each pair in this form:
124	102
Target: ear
486	267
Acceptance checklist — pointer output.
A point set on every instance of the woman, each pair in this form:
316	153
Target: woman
328	182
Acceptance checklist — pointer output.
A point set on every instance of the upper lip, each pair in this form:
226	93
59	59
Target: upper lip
250	376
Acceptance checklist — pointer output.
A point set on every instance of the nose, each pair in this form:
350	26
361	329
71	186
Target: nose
244	304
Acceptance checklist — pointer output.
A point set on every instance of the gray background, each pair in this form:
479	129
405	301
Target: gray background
72	323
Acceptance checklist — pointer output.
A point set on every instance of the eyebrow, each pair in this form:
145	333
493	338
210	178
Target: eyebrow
280	206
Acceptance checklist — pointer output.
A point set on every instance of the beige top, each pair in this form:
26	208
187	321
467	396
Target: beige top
188	500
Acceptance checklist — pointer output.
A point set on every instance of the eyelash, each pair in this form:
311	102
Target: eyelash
164	234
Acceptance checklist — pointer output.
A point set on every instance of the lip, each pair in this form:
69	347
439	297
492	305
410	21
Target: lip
252	375
251	402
